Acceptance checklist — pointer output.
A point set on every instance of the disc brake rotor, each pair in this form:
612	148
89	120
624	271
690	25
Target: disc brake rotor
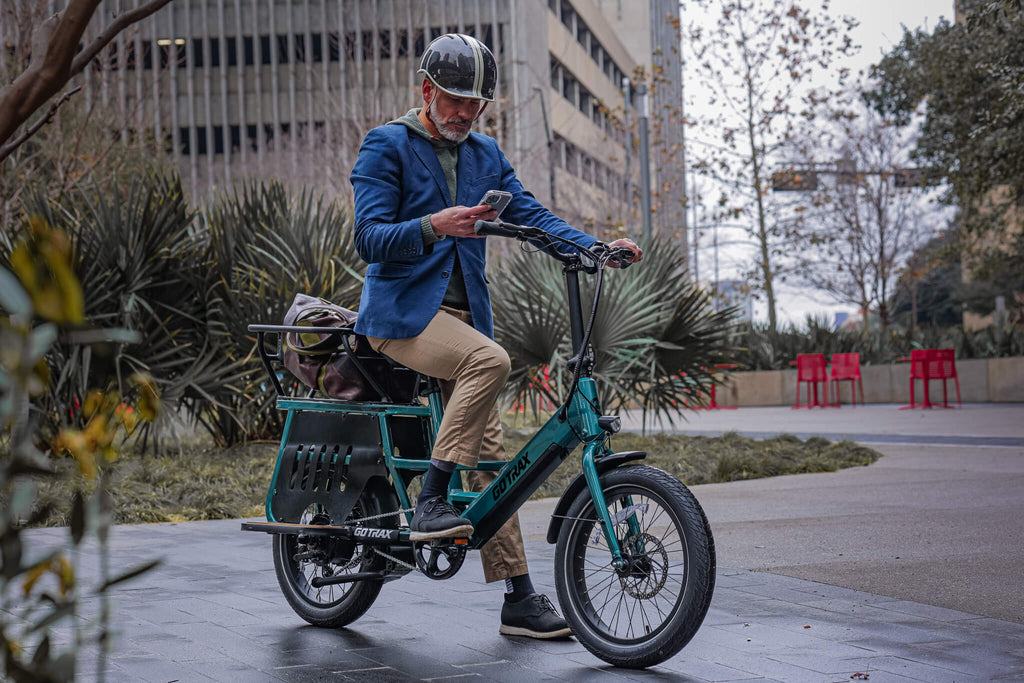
647	566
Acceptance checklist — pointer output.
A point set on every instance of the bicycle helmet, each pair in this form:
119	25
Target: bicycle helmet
460	65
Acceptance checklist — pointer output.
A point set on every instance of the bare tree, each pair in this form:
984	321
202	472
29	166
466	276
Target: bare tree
866	224
752	66
55	59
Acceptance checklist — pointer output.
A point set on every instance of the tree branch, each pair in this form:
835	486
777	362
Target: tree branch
6	150
122	22
53	64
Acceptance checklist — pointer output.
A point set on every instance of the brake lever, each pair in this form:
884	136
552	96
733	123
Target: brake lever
621	256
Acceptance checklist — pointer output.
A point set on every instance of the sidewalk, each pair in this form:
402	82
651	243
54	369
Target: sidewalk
870	559
213	611
982	424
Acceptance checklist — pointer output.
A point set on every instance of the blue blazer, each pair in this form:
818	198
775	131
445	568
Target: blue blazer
397	180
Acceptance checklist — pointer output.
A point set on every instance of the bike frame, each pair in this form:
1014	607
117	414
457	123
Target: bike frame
518	477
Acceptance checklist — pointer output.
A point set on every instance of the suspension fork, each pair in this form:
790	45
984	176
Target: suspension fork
597	495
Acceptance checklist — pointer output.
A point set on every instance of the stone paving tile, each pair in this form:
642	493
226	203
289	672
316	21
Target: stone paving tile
704	670
157	670
504	671
924	672
927	611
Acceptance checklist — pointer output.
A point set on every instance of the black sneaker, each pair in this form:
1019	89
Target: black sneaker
437	518
534	617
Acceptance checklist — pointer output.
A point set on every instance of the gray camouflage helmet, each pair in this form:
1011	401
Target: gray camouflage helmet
460	65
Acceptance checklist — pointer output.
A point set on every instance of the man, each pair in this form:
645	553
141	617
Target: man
418	182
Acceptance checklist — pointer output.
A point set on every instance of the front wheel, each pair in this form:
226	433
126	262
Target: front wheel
644	612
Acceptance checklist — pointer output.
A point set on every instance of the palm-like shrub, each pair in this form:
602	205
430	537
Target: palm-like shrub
656	337
139	260
264	245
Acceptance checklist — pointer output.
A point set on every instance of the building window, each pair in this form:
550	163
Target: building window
568	17
265	50
333	50
282	49
214	51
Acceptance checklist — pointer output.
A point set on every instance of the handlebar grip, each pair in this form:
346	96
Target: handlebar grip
621	256
494	228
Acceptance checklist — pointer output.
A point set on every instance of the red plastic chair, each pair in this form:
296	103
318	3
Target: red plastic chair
942	365
846	367
919	370
810	368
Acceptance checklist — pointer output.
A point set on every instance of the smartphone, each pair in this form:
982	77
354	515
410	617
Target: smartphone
497	200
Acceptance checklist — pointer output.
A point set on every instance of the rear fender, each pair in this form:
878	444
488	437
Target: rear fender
579	484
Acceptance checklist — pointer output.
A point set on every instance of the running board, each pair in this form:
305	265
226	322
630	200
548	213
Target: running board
363	534
366	534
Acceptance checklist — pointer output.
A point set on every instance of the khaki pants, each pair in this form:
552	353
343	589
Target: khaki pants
471	370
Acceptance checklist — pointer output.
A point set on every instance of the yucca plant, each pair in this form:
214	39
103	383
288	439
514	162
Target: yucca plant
656	337
139	260
264	245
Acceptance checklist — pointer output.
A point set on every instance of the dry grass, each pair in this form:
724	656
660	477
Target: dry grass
205	482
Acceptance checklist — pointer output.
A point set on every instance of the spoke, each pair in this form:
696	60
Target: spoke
661	614
629	615
645	620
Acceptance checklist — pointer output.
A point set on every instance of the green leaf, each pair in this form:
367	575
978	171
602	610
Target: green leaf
130	574
40	341
42	653
78	518
13	298
60	610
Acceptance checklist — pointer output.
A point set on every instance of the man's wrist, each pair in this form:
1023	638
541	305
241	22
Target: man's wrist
427	230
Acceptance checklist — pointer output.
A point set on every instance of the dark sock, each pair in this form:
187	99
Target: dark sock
518	587
435	481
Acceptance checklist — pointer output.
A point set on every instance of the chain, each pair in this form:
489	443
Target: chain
377	550
383	514
394	559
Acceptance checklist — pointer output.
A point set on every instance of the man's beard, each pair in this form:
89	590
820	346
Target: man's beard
446	131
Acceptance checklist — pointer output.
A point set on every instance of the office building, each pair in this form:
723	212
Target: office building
237	89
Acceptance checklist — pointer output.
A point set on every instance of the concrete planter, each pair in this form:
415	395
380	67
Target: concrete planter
995	380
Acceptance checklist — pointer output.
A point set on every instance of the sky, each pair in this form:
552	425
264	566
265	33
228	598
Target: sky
881	27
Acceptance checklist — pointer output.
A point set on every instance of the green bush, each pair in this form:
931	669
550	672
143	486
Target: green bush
263	246
656	337
760	348
40	590
188	284
139	260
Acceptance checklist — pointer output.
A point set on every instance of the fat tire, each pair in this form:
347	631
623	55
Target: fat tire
689	610
358	596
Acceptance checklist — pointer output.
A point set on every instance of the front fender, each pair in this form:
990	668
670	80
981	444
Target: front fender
579	484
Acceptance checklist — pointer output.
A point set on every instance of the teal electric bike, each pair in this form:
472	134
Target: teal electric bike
634	556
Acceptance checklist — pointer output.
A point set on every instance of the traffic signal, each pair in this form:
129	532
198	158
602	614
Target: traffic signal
794	180
909	177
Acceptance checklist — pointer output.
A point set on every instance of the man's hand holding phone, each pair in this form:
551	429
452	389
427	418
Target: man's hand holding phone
458	221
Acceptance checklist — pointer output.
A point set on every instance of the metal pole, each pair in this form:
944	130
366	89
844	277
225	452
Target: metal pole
714	296
551	145
645	165
628	184
696	232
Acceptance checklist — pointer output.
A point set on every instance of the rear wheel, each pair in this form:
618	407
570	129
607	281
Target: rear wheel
299	559
644	612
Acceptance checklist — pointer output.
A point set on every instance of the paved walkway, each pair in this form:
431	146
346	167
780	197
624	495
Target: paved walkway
213	611
980	424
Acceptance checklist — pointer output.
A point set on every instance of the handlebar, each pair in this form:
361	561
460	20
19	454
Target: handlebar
621	256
